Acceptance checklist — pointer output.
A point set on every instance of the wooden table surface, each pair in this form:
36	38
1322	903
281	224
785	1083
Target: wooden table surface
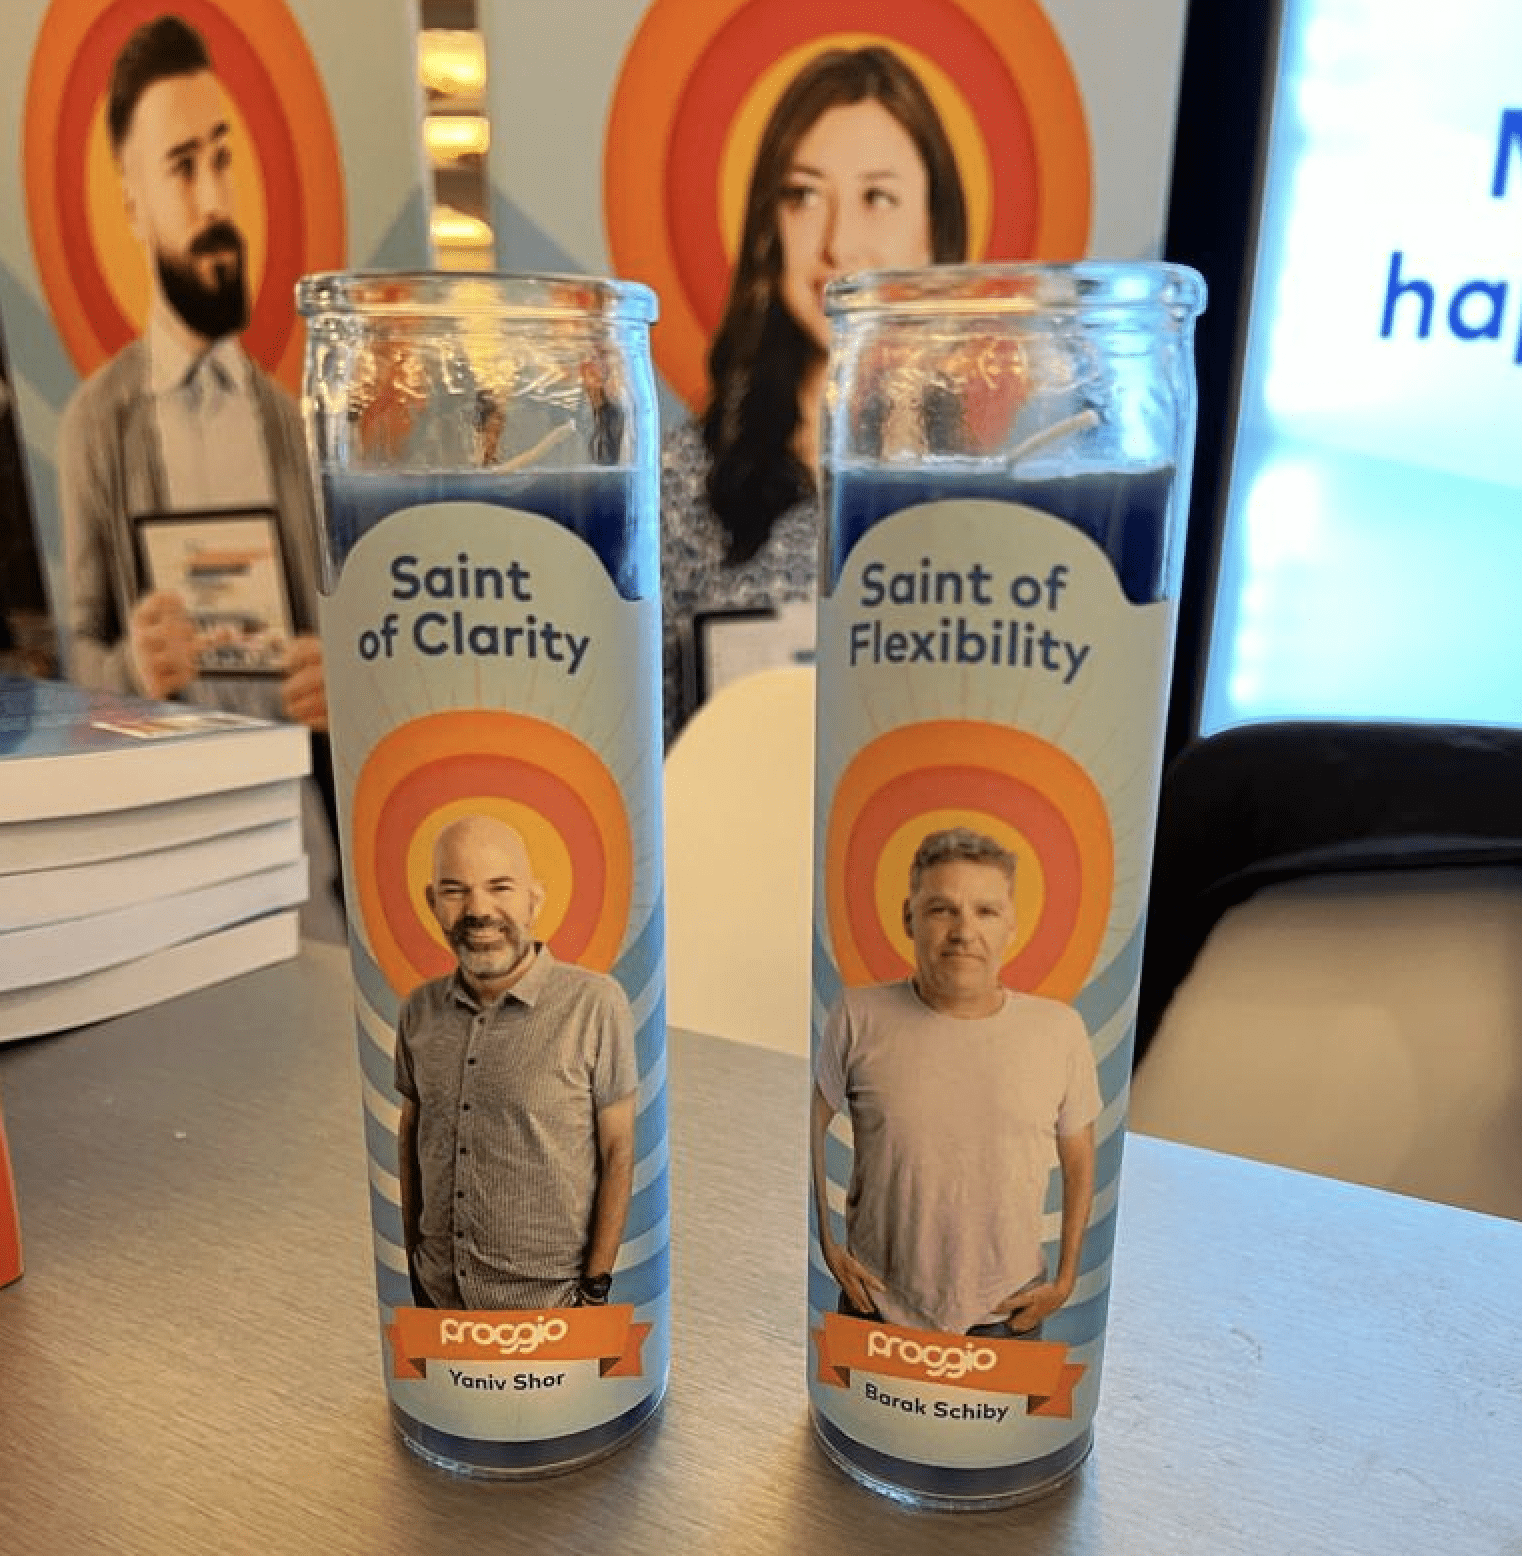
191	1362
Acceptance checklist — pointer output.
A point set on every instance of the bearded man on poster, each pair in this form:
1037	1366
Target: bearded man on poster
181	420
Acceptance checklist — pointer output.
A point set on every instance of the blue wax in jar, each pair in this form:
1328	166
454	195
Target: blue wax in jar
1123	511
608	507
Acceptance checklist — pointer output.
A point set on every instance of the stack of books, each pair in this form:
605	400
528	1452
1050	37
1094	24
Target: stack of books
146	849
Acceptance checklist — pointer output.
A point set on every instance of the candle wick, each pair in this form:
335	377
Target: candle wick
1068	427
543	446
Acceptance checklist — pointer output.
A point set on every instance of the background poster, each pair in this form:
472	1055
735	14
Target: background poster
623	133
332	175
25	627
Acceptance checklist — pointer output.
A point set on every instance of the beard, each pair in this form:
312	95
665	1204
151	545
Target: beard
489	963
211	310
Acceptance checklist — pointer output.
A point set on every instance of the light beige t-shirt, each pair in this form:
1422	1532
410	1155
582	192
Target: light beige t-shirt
955	1125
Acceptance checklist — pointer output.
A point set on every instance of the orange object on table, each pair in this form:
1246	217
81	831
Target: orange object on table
10	1217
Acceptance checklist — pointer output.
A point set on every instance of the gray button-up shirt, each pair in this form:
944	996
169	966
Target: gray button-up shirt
507	1099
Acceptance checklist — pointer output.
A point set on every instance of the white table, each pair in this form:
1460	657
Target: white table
191	1364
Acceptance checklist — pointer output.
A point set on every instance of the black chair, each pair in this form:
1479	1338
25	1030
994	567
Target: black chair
1266	803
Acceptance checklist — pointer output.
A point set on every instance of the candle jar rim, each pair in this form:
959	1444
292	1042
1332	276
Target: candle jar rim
473	294
1020	288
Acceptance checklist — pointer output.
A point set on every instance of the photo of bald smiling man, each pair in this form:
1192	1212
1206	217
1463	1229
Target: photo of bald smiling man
517	1075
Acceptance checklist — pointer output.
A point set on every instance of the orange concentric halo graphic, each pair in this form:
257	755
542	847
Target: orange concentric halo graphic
552	788
700	78
1013	786
287	171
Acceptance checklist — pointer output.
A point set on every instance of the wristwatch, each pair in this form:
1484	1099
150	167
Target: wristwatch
593	1289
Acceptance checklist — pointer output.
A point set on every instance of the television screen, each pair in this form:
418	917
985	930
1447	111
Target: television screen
1372	531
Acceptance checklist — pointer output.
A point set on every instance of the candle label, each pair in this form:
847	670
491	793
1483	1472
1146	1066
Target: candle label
496	733
984	684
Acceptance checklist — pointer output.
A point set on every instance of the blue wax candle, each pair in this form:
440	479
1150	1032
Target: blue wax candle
1124	512
607	507
483	671
983	669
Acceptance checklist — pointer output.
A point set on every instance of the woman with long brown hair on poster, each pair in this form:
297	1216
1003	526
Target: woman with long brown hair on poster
854	171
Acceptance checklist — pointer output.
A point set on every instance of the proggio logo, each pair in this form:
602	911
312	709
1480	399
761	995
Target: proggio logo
521	1338
940	1362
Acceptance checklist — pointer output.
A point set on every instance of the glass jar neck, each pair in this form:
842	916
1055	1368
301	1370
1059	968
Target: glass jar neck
467	296
1141	291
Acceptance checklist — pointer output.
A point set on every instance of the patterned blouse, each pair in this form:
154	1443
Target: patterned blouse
694	576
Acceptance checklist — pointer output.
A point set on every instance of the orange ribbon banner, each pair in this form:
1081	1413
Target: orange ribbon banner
1036	1368
607	1335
